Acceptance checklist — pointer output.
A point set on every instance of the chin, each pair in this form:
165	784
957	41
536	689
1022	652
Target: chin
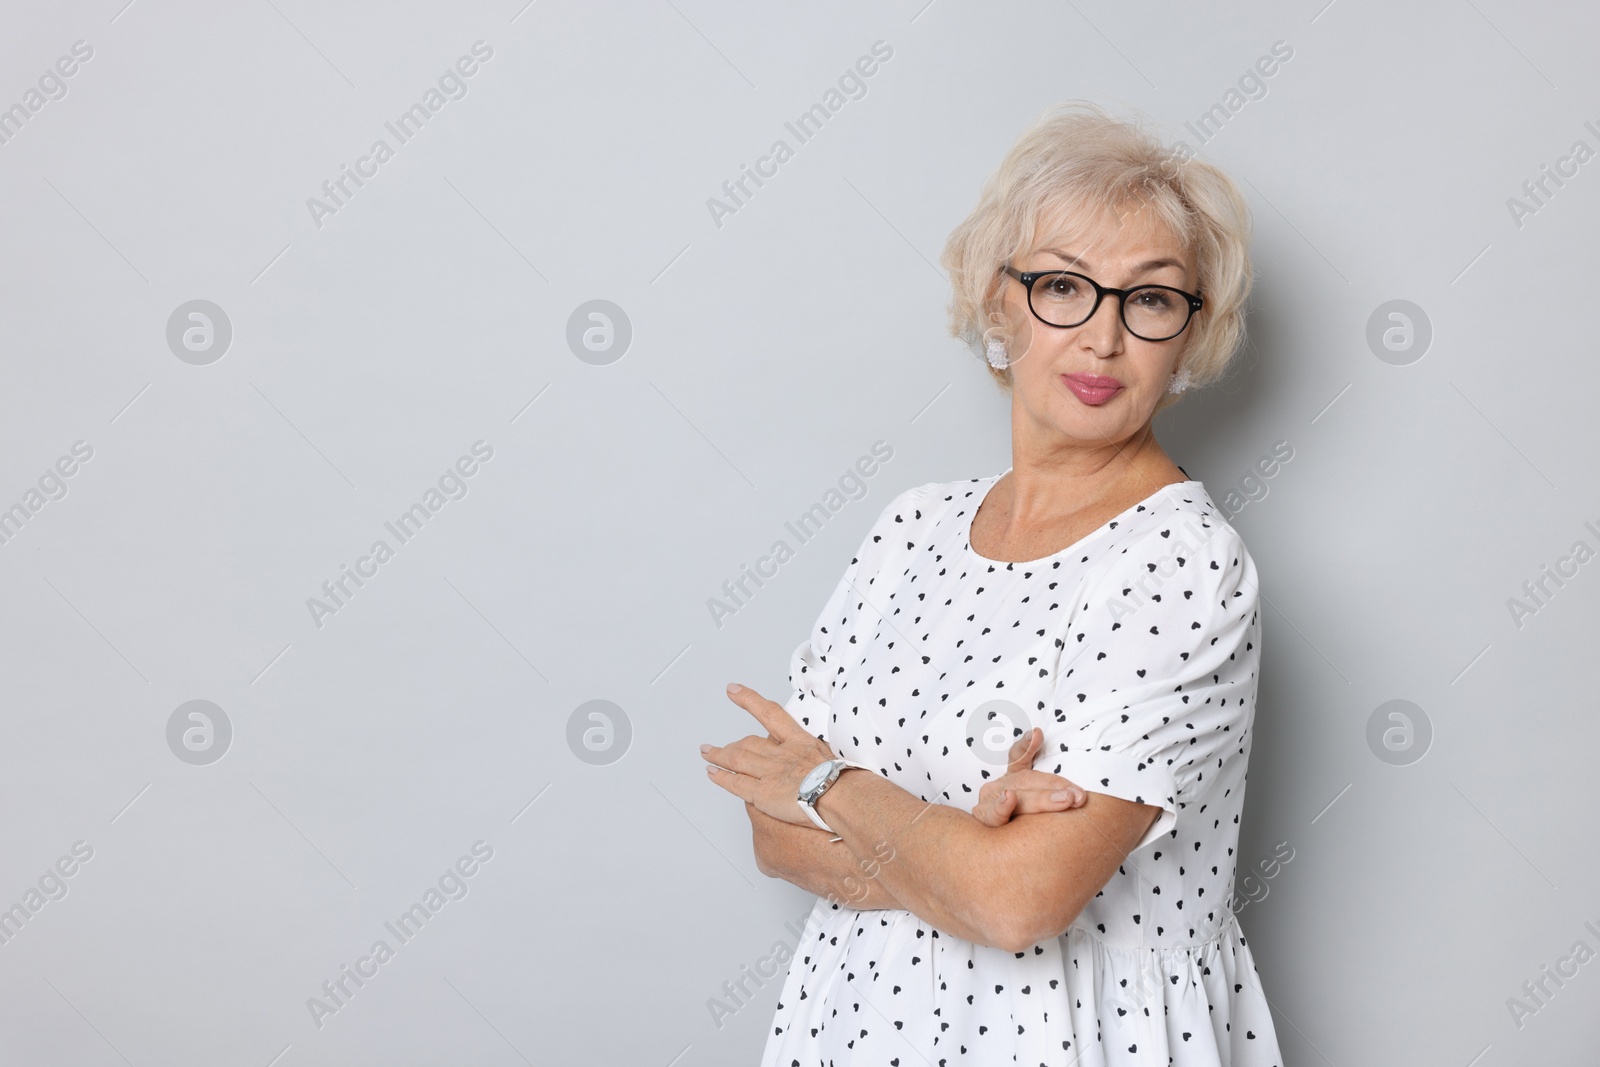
1114	420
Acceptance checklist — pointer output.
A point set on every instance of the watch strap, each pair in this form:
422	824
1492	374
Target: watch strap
812	811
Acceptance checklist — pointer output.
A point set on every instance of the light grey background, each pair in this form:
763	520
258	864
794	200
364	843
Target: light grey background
767	354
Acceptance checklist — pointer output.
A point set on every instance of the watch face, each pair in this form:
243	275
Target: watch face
818	775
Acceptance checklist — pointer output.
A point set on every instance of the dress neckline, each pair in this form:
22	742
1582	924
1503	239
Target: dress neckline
1109	524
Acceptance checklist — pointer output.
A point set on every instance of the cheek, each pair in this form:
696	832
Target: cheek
1152	371
1028	346
1019	324
1045	394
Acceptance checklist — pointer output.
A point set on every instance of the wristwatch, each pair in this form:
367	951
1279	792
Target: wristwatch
817	782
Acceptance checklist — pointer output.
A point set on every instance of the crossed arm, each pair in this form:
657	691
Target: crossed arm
987	877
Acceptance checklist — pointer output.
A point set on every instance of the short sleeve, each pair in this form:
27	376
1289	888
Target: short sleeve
813	666
1156	684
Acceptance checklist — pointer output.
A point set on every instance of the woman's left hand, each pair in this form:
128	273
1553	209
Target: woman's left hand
1023	790
767	771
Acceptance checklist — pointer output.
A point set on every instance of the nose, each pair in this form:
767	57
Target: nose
1104	332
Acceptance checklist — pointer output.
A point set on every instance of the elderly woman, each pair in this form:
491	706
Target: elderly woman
1047	677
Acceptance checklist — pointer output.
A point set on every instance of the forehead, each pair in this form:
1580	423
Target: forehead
1128	232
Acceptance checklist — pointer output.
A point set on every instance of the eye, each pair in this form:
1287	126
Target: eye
1156	299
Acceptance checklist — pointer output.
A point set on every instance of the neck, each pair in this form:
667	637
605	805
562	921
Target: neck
1049	478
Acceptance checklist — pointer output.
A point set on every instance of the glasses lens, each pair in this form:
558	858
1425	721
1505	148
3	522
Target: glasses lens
1155	313
1062	299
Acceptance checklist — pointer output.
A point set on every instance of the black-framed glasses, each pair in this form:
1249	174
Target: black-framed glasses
1066	298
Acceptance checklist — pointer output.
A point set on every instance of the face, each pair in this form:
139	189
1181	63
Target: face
1096	385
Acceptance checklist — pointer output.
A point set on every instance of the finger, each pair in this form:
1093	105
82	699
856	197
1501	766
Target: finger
748	757
1032	801
1079	793
1022	758
740	785
990	792
997	810
779	724
980	809
985	815
1019	746
1033	779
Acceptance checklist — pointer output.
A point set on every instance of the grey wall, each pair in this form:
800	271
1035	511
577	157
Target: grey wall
364	752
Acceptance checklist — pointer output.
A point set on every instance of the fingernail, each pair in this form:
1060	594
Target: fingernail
735	687
1061	794
711	768
704	749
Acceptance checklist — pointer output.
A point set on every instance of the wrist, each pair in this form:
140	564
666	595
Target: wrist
828	804
816	783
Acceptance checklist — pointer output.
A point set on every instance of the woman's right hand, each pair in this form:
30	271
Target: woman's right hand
1023	790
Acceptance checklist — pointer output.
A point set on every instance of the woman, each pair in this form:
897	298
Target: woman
1086	617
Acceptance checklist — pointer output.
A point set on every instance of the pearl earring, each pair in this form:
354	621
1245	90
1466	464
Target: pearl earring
997	355
1180	381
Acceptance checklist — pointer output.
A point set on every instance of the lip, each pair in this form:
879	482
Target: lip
1092	389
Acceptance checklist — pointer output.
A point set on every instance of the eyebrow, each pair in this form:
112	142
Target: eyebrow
1079	261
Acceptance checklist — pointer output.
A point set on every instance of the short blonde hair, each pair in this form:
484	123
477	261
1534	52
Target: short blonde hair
1077	159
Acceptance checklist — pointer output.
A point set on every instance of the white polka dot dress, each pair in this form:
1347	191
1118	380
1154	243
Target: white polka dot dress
1136	651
